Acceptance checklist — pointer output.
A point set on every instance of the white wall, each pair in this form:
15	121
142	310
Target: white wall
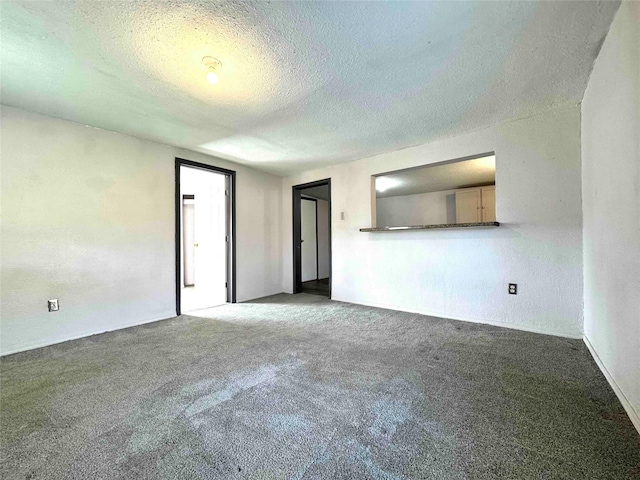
418	209
88	217
323	239
611	202
463	274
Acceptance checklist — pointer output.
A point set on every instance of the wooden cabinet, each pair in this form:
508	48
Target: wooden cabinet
468	205
476	204
488	203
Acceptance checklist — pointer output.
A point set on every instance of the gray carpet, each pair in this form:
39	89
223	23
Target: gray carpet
302	387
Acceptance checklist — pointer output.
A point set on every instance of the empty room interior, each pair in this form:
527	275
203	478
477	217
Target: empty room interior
303	240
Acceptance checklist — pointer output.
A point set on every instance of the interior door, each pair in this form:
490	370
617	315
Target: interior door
210	257
205	276
188	240
309	240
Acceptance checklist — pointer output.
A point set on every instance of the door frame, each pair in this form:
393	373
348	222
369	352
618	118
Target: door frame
230	221
296	196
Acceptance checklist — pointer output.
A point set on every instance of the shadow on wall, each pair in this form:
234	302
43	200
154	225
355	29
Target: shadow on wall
436	234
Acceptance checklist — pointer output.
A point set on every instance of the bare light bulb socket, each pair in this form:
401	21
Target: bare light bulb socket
212	65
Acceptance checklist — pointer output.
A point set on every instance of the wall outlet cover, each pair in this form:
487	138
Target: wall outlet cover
513	289
53	305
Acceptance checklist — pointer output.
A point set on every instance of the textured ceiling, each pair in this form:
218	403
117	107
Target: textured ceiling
438	178
303	84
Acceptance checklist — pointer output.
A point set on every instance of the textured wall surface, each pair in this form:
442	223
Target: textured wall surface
420	209
88	218
302	84
463	274
611	202
323	239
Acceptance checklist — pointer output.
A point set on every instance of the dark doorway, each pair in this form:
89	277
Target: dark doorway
213	248
312	238
317	287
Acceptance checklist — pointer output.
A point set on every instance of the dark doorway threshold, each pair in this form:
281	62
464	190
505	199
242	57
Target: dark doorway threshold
317	287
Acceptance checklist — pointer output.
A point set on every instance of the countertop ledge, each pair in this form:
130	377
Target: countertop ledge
430	227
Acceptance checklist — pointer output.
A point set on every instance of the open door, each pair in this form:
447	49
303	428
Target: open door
205	236
312	238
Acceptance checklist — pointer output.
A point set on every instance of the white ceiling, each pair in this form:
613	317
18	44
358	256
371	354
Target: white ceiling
303	84
438	178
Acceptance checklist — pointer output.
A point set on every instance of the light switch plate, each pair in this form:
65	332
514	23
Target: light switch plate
53	305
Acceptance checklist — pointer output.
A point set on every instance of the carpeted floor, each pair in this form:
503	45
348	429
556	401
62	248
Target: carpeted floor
301	387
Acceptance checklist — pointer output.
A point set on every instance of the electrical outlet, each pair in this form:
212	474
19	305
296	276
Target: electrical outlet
513	289
53	305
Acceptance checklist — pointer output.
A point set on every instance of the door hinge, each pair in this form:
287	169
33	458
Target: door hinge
226	285
226	238
226	192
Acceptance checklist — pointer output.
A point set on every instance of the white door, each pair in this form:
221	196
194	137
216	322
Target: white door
309	239
204	224
188	240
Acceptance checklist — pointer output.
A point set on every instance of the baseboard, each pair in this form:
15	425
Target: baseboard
511	326
626	404
80	336
98	332
26	348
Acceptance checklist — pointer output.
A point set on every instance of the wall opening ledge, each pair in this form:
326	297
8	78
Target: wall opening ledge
431	227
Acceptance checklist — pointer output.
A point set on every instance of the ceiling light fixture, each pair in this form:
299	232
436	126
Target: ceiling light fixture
385	183
212	65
